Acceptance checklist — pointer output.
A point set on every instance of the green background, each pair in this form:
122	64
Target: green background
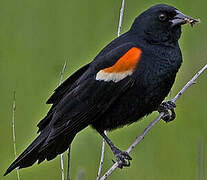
38	36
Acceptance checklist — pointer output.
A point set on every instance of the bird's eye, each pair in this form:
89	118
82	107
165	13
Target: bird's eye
162	17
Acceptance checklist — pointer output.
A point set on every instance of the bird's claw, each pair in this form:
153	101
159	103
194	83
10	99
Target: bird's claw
122	158
165	107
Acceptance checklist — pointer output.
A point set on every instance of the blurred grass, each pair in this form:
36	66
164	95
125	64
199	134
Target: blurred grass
36	37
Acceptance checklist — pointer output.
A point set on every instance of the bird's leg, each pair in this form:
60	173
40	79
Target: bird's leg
165	107
122	157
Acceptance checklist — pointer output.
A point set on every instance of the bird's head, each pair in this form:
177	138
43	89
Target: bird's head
161	23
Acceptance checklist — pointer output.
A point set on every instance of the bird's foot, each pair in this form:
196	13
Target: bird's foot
165	107
122	158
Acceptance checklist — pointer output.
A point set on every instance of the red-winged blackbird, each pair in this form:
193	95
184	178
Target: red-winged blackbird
127	80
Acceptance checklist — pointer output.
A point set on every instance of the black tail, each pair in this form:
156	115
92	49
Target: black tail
29	156
35	151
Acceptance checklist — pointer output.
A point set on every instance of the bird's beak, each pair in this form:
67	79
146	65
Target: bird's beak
181	19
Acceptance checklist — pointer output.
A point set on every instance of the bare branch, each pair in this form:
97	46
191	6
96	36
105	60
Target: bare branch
191	82
102	158
13	130
68	169
62	166
149	127
121	18
62	73
104	142
61	156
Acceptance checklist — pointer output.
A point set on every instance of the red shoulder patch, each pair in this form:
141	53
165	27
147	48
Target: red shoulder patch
127	62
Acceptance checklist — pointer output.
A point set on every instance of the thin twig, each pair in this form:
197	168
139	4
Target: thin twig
62	73
61	156
69	149
121	17
68	170
139	138
104	142
62	166
13	130
170	95
102	158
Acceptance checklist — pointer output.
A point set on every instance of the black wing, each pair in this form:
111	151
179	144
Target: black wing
61	90
59	93
77	103
87	98
106	58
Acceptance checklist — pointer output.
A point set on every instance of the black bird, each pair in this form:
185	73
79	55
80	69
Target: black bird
127	80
